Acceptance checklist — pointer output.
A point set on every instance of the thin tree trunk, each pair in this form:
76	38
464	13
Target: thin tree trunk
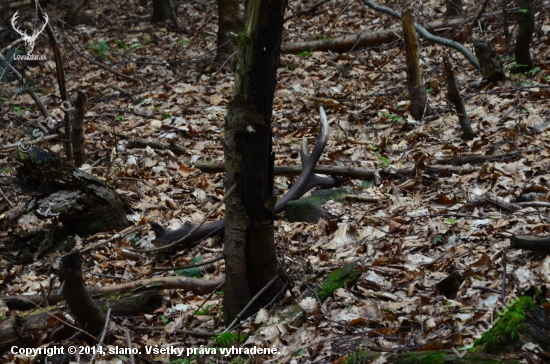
250	256
417	91
453	94
230	20
77	136
161	11
523	41
454	8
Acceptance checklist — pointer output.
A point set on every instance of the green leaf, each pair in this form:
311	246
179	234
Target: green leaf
304	54
438	239
191	272
429	90
121	44
534	70
384	161
163	319
228	339
204	312
366	184
517	65
299	352
119	118
522	10
450	221
165	116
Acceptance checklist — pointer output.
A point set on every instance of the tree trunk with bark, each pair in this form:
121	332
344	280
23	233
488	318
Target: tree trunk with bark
417	91
230	20
162	11
250	256
524	63
454	8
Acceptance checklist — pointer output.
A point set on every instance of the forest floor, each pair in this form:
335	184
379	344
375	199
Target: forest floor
422	227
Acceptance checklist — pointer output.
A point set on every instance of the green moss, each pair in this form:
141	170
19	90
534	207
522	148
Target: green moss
338	279
506	333
359	357
242	35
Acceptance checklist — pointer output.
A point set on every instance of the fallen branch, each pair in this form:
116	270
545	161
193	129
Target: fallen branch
533	243
351	172
426	35
197	286
477	159
342	44
174	147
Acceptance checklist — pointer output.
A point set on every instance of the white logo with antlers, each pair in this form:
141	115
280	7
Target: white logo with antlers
29	39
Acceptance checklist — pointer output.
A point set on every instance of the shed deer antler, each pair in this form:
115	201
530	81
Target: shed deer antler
306	181
29	39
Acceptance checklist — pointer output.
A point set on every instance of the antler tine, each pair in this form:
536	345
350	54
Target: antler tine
13	19
303	184
36	33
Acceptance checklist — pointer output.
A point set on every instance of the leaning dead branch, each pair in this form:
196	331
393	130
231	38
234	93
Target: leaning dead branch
426	35
453	94
61	82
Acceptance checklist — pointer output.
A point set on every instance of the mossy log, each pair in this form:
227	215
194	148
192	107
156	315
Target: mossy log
523	322
84	204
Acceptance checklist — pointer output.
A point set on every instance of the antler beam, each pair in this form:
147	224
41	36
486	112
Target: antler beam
306	181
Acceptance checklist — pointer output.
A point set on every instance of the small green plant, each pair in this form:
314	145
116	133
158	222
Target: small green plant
522	10
119	118
100	48
205	311
534	70
304	54
450	221
164	319
429	91
518	65
327	39
17	110
438	239
228	339
121	45
165	116
184	42
393	117
384	162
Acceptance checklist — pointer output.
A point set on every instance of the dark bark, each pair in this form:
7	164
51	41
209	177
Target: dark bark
161	11
249	250
89	316
454	8
523	42
453	94
78	129
489	60
417	91
534	243
230	20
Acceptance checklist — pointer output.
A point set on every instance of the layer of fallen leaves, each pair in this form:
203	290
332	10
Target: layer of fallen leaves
417	234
